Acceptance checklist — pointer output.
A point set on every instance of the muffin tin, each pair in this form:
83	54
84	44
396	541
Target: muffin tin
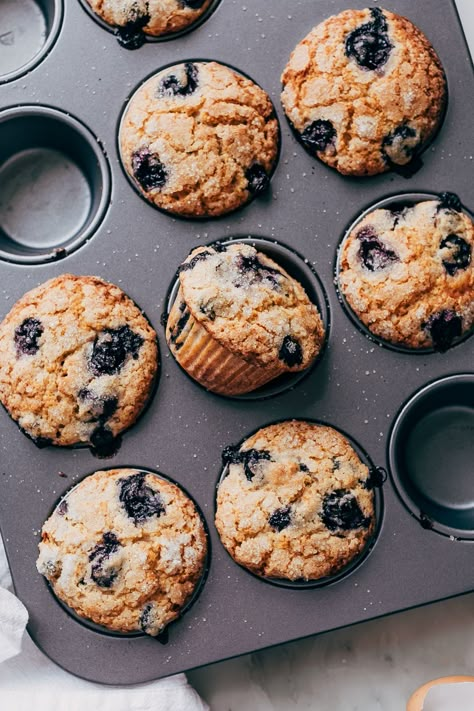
71	103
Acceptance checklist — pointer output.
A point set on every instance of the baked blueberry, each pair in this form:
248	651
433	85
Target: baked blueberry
444	327
369	45
139	500
257	179
459	253
250	458
148	169
341	510
373	254
280	519
27	335
102	408
400	146
171	85
62	508
104	576
199	257
318	135
450	201
131	35
291	352
111	349
251	265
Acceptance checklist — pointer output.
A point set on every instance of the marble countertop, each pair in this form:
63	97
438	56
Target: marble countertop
373	666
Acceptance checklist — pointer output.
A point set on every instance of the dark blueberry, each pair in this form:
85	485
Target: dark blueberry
171	86
199	257
257	179
248	457
208	311
99	555
42	442
62	508
102	408
253	268
111	349
373	254
377	477
139	500
318	135
460	257
336	464
180	325
131	35
193	4
27	335
219	247
291	352
148	169
280	519
399	147
369	44
103	442
450	201
341	510
146	619
303	467
444	327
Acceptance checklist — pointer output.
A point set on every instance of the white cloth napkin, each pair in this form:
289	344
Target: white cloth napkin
29	680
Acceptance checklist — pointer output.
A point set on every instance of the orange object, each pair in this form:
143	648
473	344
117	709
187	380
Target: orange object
416	700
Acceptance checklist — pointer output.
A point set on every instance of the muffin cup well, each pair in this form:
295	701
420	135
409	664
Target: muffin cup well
29	30
265	381
54	184
398	200
379	477
101	629
431	450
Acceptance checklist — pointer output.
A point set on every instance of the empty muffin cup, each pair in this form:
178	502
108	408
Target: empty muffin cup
54	184
431	452
28	30
264	383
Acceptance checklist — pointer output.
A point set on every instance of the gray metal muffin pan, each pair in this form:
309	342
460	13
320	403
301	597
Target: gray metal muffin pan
358	386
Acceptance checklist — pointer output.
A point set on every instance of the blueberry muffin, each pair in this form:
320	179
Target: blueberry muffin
125	549
133	20
78	360
407	273
297	502
239	320
199	140
365	91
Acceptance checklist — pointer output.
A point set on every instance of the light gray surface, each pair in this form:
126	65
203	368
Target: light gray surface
353	388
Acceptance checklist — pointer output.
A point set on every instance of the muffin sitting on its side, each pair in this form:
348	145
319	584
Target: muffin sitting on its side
296	503
125	549
239	320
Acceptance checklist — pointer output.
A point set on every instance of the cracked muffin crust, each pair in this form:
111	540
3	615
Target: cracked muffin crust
199	140
240	320
134	19
296	503
365	91
407	273
125	549
78	361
